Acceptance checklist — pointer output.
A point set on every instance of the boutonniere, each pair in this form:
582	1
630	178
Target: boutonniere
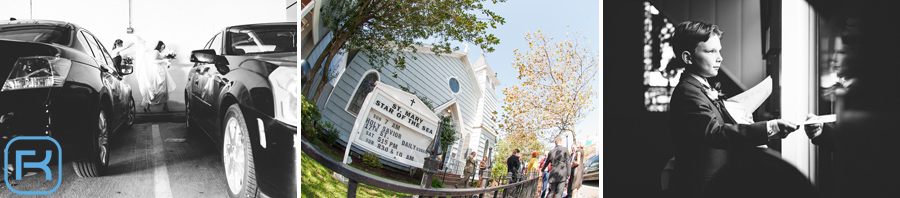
714	93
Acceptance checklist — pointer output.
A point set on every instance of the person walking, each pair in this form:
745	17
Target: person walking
467	172
558	155
160	82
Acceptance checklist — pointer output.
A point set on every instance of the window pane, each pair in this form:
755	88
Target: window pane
454	85
36	33
366	87
659	81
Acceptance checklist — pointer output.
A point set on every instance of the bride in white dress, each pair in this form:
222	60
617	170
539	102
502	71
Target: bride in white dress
156	83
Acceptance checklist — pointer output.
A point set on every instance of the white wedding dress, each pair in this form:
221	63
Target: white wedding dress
154	78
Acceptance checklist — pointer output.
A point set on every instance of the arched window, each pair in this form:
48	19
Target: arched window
366	85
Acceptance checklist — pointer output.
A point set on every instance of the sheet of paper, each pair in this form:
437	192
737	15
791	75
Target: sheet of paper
754	97
737	111
742	106
821	119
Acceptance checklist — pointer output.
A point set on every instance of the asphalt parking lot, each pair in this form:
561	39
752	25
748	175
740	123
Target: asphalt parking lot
152	159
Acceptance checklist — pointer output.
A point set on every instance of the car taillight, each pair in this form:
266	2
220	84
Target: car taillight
37	72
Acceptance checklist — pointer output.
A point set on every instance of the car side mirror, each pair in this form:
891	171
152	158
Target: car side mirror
209	56
126	69
203	56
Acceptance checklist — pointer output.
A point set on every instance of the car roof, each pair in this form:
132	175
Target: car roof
257	25
35	22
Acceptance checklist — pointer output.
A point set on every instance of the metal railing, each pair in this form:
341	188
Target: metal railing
526	188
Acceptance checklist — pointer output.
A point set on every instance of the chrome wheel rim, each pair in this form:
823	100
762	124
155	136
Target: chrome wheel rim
103	139
233	154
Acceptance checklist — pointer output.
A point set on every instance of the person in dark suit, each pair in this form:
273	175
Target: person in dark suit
704	133
512	165
559	156
467	172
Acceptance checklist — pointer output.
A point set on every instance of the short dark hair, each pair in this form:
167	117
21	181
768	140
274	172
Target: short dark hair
516	151
687	36
849	35
473	153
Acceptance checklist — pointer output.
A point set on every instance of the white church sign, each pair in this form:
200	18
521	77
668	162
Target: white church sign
395	125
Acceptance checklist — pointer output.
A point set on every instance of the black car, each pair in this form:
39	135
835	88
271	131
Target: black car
61	82
242	92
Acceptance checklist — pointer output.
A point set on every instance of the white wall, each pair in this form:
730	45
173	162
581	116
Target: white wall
797	77
182	25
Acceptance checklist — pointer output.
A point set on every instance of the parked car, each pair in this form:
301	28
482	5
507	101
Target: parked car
242	92
61	82
592	170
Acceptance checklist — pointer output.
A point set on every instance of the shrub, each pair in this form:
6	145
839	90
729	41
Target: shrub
371	160
436	183
309	115
327	133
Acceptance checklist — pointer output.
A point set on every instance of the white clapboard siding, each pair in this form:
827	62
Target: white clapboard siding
428	75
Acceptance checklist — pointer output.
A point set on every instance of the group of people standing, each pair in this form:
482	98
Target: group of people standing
556	179
150	67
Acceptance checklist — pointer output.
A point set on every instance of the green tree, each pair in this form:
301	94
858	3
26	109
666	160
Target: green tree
525	142
385	28
448	133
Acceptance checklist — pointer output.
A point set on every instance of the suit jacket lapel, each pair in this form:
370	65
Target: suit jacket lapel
720	107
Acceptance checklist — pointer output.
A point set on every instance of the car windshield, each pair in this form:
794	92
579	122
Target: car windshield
35	33
264	40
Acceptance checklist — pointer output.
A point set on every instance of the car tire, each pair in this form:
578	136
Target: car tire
237	155
189	121
97	160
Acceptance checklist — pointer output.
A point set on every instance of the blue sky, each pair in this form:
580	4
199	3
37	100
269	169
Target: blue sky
551	18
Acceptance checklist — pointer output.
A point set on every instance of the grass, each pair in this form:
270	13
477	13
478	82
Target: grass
317	181
340	158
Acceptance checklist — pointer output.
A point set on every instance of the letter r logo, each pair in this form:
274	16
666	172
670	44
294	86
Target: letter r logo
19	165
42	165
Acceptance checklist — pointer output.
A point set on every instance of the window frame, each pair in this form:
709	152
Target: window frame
458	84
358	84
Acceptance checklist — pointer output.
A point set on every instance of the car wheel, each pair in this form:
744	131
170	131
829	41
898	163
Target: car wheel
97	159
237	155
191	125
129	121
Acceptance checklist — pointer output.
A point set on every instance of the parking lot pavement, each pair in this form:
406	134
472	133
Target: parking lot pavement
157	159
